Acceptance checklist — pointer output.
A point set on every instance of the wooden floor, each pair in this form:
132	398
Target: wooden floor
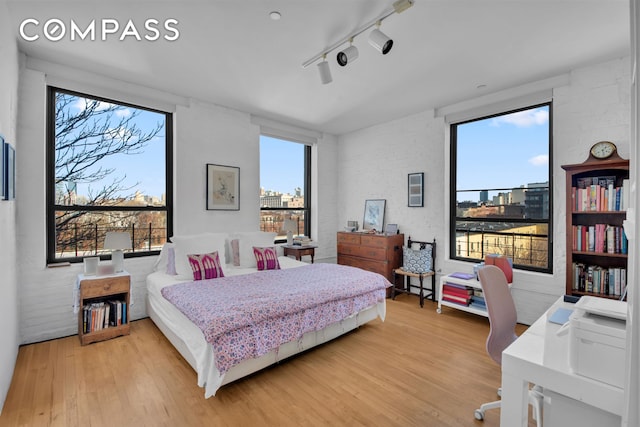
418	368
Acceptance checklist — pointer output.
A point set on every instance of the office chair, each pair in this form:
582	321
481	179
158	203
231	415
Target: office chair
502	319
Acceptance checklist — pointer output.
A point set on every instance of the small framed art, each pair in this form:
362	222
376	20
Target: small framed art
223	187
416	190
9	171
374	215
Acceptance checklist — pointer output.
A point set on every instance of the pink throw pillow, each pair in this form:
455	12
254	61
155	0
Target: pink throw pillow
205	266
266	258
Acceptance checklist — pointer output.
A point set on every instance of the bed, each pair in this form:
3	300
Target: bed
202	341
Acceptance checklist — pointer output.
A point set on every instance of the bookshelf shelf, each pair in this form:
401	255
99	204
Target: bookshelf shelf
470	283
97	292
596	197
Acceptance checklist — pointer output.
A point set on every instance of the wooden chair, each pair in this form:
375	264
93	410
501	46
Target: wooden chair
421	275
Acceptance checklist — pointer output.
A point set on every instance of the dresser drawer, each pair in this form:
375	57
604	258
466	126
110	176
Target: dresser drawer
375	241
368	252
350	238
380	267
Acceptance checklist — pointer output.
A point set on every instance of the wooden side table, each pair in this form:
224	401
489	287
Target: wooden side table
299	251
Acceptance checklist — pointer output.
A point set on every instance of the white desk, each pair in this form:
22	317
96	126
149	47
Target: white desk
541	357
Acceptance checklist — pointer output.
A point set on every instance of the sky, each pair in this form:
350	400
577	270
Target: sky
281	165
507	151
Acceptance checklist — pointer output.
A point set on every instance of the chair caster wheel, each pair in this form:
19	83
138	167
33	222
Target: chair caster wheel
439	310
479	414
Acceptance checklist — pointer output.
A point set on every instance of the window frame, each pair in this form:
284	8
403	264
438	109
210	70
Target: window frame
307	189
52	207
454	219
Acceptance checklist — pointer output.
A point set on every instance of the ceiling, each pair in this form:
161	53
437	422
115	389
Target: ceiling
231	53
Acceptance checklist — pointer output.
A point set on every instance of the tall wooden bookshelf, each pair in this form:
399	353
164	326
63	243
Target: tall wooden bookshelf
596	245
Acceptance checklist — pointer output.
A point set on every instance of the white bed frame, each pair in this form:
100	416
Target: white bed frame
204	365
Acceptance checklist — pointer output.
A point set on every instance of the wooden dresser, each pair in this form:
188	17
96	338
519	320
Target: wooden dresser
373	252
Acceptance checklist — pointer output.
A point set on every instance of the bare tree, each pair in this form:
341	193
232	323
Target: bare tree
86	132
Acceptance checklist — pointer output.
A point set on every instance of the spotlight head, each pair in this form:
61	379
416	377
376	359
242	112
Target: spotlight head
325	72
380	41
348	55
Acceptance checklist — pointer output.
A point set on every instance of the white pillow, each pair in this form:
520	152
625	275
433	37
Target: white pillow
247	240
166	261
203	243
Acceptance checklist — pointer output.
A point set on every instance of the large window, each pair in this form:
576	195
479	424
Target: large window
284	186
501	191
108	169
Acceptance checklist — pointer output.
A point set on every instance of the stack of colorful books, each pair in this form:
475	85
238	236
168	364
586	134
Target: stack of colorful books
477	300
457	294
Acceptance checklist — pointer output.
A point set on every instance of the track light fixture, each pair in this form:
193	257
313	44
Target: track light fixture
380	41
325	72
348	55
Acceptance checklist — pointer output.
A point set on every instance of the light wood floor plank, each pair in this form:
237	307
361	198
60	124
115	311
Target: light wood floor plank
418	368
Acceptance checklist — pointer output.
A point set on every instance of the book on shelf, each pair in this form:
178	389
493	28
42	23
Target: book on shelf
600	194
596	279
455	300
97	316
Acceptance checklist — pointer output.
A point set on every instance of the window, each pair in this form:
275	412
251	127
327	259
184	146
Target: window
284	186
501	188
108	169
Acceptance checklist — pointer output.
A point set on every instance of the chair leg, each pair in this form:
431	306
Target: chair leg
421	292
393	286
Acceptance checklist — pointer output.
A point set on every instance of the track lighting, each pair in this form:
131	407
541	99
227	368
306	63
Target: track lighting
325	72
380	41
348	55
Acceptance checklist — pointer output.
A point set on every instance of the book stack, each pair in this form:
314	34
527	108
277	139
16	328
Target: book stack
477	300
301	241
103	314
457	294
600	194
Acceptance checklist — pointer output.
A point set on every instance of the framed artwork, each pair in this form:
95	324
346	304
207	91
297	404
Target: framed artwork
9	172
391	229
374	215
416	190
223	187
2	167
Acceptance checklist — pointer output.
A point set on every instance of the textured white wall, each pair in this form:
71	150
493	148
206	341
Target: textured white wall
8	270
203	133
374	163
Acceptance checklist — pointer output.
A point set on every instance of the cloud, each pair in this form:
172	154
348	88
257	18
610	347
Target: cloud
526	118
540	160
125	112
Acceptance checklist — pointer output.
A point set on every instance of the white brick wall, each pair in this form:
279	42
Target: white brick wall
374	163
370	163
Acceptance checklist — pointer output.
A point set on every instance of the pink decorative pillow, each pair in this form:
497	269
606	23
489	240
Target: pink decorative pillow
205	266
266	258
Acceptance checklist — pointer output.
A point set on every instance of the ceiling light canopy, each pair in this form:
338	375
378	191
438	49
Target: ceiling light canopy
380	41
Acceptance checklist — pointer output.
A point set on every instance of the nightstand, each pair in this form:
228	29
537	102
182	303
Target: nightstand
103	306
299	251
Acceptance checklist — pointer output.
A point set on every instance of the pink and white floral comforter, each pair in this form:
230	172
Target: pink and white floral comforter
247	316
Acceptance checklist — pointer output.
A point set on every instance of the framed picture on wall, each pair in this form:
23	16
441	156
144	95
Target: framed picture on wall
2	167
223	187
416	190
9	172
374	215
